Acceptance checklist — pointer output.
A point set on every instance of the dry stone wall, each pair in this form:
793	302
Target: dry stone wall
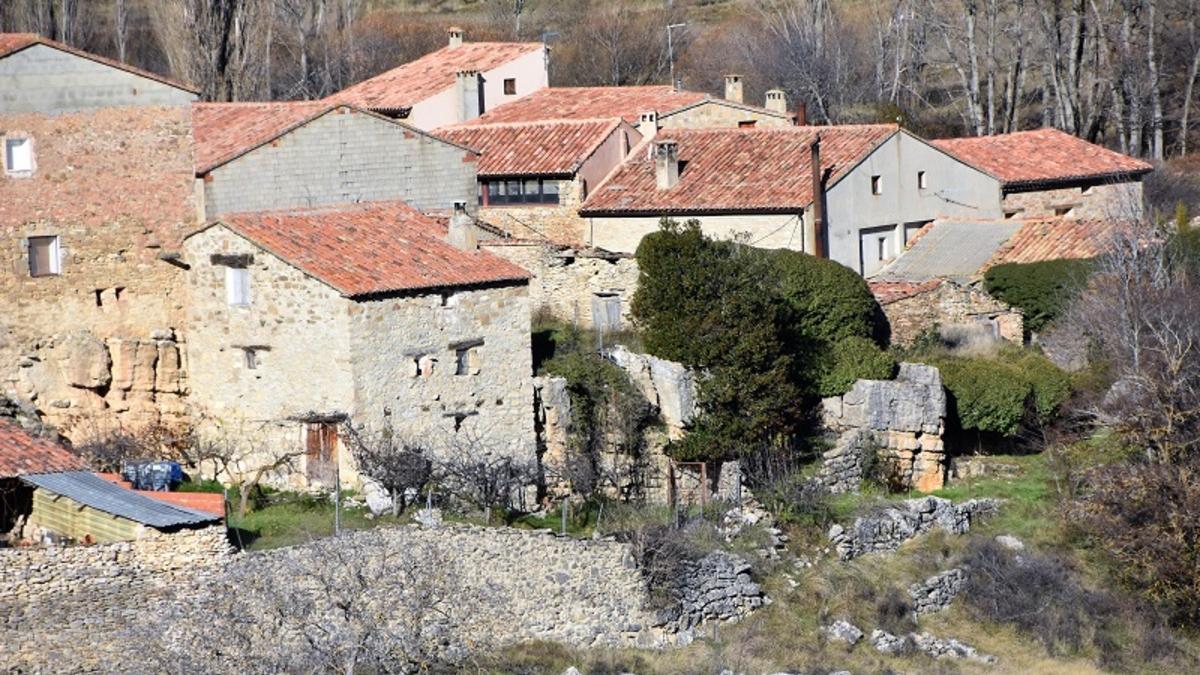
886	530
949	304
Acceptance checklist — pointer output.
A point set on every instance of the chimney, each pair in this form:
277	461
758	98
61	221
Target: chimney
456	36
462	229
776	100
467	92
802	114
814	225
666	164
733	88
648	124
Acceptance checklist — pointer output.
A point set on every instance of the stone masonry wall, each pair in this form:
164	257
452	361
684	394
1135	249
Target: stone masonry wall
951	304
714	114
553	223
1102	201
116	186
565	280
344	157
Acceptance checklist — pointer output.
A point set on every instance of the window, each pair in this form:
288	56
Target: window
1063	210
510	86
881	243
876	185
44	256
519	191
250	358
466	357
746	124
922	182
237	286
18	156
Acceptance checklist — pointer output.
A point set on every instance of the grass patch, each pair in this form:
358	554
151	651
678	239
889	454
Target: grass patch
289	518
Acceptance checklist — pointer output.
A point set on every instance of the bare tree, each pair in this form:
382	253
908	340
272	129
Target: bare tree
398	465
478	476
241	454
218	45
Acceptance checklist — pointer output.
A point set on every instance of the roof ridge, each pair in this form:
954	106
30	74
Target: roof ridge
527	123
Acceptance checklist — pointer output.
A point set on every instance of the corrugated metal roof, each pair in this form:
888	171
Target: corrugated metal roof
102	495
951	249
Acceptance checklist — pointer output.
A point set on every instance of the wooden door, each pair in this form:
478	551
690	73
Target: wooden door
321	459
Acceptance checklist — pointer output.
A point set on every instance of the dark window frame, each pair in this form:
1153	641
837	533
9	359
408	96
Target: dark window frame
510	86
499	191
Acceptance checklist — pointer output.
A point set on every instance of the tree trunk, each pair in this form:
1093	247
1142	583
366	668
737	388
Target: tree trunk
1186	114
1156	112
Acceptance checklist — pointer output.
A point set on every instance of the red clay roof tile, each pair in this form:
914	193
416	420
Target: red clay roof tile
11	43
1041	156
406	85
727	170
372	248
887	292
581	103
1055	239
225	131
22	453
556	148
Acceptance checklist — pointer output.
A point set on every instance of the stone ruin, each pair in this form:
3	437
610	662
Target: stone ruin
900	420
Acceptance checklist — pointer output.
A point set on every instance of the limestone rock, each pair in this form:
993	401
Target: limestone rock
886	530
167	373
85	361
1010	542
377	499
935	593
668	385
843	631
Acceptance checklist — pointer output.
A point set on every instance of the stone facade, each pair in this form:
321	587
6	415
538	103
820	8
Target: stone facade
116	187
901	420
713	113
572	284
886	530
554	223
342	157
379	362
951	304
1103	201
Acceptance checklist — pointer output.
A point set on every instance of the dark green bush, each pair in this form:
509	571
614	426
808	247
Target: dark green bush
998	395
1051	386
1042	290
853	358
830	301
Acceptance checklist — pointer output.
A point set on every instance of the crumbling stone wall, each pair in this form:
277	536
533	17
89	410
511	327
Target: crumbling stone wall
1121	200
567	281
949	303
116	186
885	530
901	420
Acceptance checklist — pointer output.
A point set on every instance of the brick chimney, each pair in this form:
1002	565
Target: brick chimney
648	124
814	225
733	88
455	34
776	100
666	164
462	229
466	94
802	114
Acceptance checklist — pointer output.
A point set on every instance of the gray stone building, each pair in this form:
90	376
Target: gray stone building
302	320
259	156
40	75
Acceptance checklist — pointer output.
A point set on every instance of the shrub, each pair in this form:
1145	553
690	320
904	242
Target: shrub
830	301
1050	386
853	358
894	613
1042	290
998	395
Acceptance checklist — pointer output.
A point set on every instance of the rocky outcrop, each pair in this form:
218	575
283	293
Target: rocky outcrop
886	643
718	587
900	420
669	386
886	530
935	593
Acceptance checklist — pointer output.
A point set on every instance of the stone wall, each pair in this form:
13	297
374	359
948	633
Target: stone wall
568	282
721	114
344	157
116	186
886	530
551	223
948	304
1104	201
938	591
901	420
64	609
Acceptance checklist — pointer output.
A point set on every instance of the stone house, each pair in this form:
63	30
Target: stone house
453	84
533	176
368	314
876	185
271	156
41	75
1047	172
88	317
649	106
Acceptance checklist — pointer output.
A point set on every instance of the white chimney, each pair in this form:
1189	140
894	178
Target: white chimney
733	88
462	229
648	124
456	36
776	101
467	93
666	164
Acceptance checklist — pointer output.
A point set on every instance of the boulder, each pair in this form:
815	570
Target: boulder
843	631
84	361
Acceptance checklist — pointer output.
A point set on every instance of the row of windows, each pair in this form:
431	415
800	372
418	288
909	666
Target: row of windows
877	183
518	191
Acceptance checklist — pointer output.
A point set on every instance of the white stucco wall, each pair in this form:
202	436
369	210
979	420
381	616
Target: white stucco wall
441	109
623	234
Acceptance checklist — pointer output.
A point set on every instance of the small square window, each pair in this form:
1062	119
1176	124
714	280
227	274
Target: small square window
44	259
922	181
510	86
237	286
876	185
250	356
18	156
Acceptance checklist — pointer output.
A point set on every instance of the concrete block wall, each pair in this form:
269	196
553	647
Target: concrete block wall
344	157
48	80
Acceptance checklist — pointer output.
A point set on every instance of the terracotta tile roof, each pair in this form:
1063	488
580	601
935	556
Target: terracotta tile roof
22	453
370	248
225	131
887	292
406	85
578	103
735	170
10	43
1043	156
554	148
1056	239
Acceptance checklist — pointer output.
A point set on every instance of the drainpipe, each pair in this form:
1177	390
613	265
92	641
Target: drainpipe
814	228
